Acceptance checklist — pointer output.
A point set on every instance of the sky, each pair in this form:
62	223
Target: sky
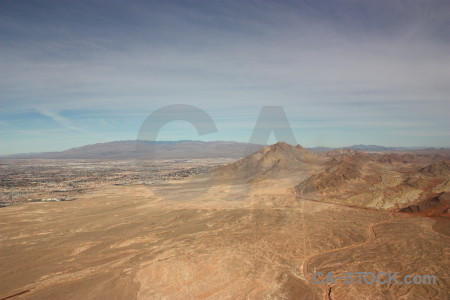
344	72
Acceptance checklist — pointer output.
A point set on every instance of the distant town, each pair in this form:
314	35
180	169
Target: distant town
25	180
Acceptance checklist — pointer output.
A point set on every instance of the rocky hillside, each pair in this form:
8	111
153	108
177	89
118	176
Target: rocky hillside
406	182
271	162
395	183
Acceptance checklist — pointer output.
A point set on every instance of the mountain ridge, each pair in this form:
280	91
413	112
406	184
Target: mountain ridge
415	183
127	149
270	161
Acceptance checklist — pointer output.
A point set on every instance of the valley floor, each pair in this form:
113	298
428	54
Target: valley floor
145	242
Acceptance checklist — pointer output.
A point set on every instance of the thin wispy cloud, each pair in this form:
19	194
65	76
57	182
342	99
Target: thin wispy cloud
62	121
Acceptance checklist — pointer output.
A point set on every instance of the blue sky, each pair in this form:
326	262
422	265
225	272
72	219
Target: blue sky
345	72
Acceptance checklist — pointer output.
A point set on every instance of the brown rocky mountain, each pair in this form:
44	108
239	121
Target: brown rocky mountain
440	168
271	162
389	182
405	182
338	172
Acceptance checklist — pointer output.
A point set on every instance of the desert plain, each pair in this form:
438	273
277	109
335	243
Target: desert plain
256	228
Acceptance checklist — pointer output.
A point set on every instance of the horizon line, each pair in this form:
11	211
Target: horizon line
228	141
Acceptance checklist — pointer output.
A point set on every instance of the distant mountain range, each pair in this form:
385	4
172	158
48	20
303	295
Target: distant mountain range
371	148
184	149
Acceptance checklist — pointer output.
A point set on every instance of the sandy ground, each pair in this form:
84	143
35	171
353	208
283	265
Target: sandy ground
159	242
